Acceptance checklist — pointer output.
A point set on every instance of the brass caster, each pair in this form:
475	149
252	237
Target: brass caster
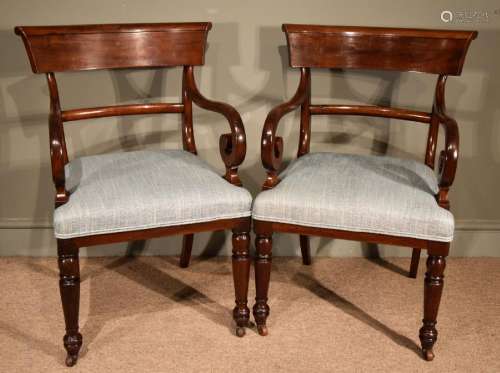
262	329
428	355
240	331
71	360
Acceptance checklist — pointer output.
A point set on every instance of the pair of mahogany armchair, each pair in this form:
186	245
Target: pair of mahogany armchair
144	194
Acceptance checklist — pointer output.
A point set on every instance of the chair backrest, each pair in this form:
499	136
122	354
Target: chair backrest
377	48
439	52
88	47
114	46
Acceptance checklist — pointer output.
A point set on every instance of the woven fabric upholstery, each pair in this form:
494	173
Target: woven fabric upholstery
358	193
144	189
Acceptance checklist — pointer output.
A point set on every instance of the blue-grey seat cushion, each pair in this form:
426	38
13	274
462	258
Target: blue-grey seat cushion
144	189
357	193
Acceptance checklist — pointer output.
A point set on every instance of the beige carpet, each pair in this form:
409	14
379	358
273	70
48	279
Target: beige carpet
147	315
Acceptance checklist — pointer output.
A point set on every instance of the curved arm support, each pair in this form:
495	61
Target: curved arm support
232	145
272	145
58	152
449	156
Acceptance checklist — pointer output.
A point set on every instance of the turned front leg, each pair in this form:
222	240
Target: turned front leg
69	286
241	276
263	245
433	287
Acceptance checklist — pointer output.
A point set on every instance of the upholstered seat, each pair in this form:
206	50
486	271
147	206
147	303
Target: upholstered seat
144	189
372	194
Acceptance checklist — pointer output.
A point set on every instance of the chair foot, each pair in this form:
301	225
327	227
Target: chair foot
240	331
72	344
71	360
263	245
428	355
262	329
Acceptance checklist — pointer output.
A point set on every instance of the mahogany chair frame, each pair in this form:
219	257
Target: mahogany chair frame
114	46
310	46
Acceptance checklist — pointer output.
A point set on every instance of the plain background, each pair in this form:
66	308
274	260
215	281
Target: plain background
246	65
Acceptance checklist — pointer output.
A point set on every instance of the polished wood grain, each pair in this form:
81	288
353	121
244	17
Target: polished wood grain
232	145
88	47
69	286
241	274
69	48
263	261
377	48
372	111
188	141
271	144
120	110
449	155
305	116
145	234
259	225
58	151
440	52
433	289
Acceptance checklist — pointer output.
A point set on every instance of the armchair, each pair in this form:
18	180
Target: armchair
141	194
364	198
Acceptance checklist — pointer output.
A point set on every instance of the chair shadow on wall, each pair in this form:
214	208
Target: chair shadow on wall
21	90
479	152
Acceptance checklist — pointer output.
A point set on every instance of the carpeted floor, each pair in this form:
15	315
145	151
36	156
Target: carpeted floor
145	314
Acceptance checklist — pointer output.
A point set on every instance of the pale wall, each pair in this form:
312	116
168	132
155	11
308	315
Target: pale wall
246	66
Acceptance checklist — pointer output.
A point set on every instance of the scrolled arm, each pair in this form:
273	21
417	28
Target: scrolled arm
448	157
272	145
58	152
232	145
